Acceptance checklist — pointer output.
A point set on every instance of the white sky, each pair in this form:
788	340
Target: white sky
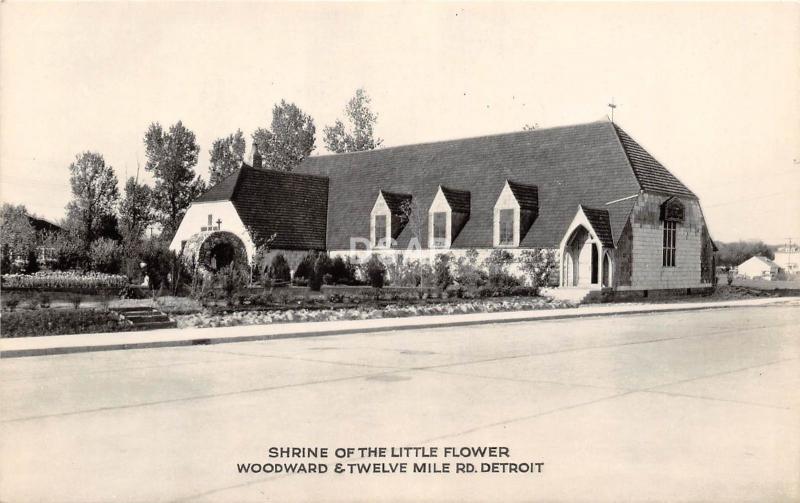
711	90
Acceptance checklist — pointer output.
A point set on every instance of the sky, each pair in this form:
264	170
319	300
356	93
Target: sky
711	90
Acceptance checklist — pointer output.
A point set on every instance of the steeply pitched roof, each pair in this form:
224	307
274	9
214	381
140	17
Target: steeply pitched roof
395	201
457	199
527	195
571	165
601	223
40	224
291	205
650	173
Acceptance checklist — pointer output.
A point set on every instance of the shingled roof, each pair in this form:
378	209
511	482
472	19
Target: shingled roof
291	205
651	174
527	196
457	199
590	164
601	223
395	201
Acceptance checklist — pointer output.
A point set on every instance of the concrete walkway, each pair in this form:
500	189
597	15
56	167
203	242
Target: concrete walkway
78	343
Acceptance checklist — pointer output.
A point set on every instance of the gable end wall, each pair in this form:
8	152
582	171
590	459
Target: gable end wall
647	271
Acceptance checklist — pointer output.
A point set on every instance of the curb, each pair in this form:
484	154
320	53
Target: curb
303	332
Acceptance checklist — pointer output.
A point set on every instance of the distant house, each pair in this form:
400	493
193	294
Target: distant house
616	217
759	268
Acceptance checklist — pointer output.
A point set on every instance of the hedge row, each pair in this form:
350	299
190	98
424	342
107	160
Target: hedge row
59	322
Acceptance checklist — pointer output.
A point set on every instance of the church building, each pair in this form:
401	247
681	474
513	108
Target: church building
617	218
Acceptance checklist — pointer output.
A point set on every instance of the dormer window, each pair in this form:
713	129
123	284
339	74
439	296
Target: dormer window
381	232
388	218
507	224
447	215
515	211
440	229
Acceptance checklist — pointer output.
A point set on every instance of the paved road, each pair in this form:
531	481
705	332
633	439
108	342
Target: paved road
678	406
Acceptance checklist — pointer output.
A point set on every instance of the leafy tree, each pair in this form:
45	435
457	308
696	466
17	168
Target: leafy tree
226	156
171	157
733	254
17	235
135	209
360	135
106	256
290	139
94	195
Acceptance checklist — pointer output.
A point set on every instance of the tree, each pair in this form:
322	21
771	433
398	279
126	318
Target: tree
290	139
733	254
135	209
17	235
226	156
530	127
171	157
360	135
94	195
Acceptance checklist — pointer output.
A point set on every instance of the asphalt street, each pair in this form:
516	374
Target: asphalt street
680	406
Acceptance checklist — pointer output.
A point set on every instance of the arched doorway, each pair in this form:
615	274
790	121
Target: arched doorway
221	249
581	259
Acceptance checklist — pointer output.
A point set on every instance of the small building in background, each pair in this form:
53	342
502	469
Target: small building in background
759	268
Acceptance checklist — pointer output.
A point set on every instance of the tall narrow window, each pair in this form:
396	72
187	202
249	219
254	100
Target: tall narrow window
380	230
506	225
668	252
440	229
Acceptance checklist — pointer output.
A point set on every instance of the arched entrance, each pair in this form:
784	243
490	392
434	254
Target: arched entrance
581	259
220	249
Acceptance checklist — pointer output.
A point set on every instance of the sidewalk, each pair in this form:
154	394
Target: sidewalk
171	337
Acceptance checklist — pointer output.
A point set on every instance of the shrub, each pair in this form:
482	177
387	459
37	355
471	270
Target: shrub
441	271
231	278
11	301
343	271
43	300
322	264
467	271
279	271
106	256
68	249
306	266
59	322
539	266
497	264
375	272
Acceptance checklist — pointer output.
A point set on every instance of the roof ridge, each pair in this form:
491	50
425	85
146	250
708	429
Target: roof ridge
617	130
462	138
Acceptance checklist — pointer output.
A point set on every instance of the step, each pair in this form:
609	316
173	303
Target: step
136	319
156	324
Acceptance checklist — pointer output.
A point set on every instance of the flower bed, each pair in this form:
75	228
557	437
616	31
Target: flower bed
57	280
59	322
229	319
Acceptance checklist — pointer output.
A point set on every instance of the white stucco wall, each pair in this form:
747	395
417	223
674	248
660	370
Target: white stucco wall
197	217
